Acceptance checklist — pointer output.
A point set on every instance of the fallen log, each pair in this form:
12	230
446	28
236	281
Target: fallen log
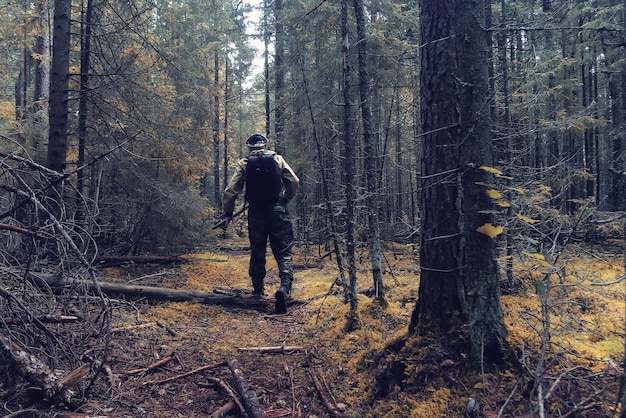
49	319
53	389
247	394
113	260
150	292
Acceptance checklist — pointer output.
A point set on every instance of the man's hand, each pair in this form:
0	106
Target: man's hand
228	221
224	223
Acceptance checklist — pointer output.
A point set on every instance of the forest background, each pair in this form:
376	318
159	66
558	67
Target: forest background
128	151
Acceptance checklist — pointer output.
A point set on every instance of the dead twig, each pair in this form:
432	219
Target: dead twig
230	392
153	366
281	349
332	408
227	409
189	373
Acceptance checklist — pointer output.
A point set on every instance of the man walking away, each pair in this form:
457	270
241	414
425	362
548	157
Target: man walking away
270	184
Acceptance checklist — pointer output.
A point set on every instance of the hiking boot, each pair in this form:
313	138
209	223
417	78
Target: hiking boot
258	288
282	294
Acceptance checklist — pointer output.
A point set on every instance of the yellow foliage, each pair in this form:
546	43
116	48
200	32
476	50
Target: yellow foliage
491	170
493	194
526	219
7	110
490	230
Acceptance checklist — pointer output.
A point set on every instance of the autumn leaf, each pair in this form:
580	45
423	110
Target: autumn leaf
526	219
490	230
491	170
503	204
494	194
494	171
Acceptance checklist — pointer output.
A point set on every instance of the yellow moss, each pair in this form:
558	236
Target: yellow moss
434	403
587	322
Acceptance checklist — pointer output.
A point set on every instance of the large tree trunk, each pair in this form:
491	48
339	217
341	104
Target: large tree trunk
217	190
348	172
279	76
59	80
371	158
42	75
85	59
459	281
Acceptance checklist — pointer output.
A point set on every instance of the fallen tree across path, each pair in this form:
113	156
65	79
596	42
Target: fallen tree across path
150	292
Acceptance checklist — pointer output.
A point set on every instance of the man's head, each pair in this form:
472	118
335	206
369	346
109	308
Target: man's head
256	141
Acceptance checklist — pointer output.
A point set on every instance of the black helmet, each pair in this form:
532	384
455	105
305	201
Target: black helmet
256	140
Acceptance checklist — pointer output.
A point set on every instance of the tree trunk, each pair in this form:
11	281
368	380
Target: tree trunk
266	67
459	281
279	76
42	76
59	80
348	171
371	158
85	55
217	190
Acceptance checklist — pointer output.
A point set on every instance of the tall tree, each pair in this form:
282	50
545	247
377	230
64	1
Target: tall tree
459	282
279	74
59	81
371	152
352	322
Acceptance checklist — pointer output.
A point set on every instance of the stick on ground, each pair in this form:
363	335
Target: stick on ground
250	400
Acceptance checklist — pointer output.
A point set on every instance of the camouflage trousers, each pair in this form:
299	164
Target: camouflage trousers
273	223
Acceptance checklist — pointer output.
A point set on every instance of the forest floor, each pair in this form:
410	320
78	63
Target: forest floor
302	364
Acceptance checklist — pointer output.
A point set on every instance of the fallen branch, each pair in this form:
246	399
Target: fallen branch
235	399
225	410
332	408
189	373
49	319
282	349
15	228
153	366
250	400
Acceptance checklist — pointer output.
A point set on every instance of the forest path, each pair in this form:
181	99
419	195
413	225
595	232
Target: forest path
277	354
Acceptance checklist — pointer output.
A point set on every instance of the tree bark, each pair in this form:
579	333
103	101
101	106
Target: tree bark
459	275
371	158
59	80
352	322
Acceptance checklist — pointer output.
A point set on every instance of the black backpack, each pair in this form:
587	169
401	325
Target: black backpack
263	179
